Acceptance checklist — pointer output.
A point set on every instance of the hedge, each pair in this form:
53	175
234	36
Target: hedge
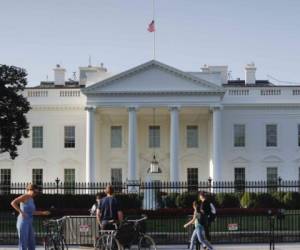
286	200
71	202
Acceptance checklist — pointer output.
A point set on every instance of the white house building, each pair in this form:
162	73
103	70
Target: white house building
198	124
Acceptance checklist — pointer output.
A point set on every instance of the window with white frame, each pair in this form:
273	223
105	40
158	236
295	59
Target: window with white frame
116	175
116	179
37	176
37	137
192	178
272	178
192	137
239	135
116	136
69	136
69	175
271	135
5	180
299	179
69	180
154	136
298	135
239	179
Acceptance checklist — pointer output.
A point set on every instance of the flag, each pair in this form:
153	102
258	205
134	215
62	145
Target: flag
151	27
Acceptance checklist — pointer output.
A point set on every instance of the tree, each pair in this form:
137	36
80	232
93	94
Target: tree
13	108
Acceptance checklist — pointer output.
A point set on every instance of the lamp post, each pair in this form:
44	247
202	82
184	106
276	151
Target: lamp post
209	183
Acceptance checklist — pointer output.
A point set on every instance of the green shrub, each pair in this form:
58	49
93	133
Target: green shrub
266	200
248	200
227	200
169	200
129	201
279	197
185	200
69	201
292	200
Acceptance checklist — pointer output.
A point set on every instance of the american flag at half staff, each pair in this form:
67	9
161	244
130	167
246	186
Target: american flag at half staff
151	27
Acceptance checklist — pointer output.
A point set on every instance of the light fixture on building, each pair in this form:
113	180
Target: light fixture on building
154	164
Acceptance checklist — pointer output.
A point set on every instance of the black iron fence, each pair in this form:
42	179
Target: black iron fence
59	187
247	212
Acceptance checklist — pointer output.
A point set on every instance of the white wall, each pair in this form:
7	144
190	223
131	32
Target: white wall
53	157
256	157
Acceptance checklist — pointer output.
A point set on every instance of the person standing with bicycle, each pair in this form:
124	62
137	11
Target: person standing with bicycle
25	206
108	211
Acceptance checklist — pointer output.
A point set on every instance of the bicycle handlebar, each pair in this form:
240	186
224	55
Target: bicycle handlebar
138	220
57	221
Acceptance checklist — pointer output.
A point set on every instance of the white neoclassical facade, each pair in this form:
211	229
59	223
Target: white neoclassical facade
107	127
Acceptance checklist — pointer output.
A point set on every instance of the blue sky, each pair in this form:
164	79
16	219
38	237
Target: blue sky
38	34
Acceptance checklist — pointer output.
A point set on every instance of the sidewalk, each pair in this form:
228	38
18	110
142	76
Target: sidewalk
279	246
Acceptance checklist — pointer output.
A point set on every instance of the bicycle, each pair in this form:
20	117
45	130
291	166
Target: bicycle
107	239
54	239
128	235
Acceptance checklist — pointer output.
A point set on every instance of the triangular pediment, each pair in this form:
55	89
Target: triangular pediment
153	76
240	160
272	158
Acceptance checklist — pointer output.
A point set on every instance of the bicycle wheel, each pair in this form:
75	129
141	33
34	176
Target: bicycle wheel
55	244
49	243
107	242
146	243
61	245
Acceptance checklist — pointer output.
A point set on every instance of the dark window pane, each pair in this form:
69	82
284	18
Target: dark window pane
192	136
69	137
154	136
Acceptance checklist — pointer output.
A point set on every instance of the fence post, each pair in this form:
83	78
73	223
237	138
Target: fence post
57	184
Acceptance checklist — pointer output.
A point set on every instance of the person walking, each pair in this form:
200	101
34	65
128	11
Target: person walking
25	206
109	211
93	209
206	208
199	229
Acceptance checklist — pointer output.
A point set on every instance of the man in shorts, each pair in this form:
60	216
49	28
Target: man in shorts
108	211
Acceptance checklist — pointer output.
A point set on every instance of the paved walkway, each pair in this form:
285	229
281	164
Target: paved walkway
290	246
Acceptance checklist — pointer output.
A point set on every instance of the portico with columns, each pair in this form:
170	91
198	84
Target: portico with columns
128	100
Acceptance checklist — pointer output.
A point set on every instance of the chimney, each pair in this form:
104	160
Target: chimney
205	68
91	74
250	70
59	75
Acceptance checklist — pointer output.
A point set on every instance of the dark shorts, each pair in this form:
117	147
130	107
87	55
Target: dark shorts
107	225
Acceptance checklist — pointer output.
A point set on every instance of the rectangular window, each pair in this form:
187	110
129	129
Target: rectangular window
192	136
116	179
37	137
239	179
192	179
116	136
37	176
5	180
299	180
298	135
239	132
69	177
154	136
272	178
271	135
69	137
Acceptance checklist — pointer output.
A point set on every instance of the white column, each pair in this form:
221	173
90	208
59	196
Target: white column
90	144
174	144
132	143
215	171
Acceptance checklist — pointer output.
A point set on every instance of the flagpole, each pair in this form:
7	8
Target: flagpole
154	30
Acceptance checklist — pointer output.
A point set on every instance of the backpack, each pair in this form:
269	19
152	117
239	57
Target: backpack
213	213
